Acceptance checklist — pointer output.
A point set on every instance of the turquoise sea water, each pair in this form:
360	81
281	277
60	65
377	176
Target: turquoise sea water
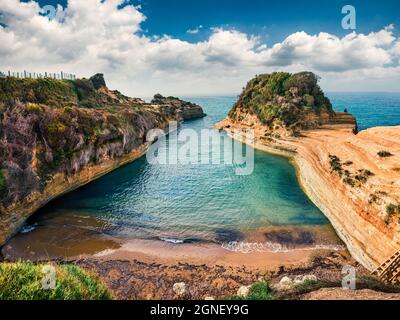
371	109
208	202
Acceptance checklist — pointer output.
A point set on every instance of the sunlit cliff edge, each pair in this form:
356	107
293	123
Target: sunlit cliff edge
353	177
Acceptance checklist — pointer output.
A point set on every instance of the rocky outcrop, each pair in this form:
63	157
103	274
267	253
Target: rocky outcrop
342	172
56	136
188	110
283	103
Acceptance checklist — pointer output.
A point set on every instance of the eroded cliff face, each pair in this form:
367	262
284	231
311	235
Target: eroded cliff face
56	136
188	110
354	178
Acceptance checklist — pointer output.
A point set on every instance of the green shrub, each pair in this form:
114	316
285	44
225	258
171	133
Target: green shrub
34	108
44	91
276	83
260	291
56	127
385	154
336	164
23	281
349	181
309	286
391	210
51	92
68	110
363	175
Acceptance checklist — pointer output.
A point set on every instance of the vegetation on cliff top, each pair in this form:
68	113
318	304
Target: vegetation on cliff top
391	211
283	98
59	93
46	91
354	179
23	281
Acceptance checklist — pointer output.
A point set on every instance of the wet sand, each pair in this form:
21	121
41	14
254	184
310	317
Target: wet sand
252	255
210	254
69	236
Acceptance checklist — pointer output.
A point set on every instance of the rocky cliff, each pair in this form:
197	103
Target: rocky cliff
189	110
354	178
56	136
285	103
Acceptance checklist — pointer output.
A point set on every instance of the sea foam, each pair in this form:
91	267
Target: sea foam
251	247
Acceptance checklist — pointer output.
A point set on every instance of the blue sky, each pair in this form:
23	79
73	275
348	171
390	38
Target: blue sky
160	47
273	20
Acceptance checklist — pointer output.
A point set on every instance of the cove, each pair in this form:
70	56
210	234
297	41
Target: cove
182	203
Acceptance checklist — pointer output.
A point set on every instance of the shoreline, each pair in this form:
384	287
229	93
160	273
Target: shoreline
148	270
313	182
68	237
16	215
153	251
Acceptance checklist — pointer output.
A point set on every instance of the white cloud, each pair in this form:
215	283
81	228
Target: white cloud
95	36
195	30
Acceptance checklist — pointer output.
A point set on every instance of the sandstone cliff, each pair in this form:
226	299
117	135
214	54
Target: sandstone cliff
56	136
353	178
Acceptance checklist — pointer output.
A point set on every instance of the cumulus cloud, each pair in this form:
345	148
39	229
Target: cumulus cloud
104	36
195	30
